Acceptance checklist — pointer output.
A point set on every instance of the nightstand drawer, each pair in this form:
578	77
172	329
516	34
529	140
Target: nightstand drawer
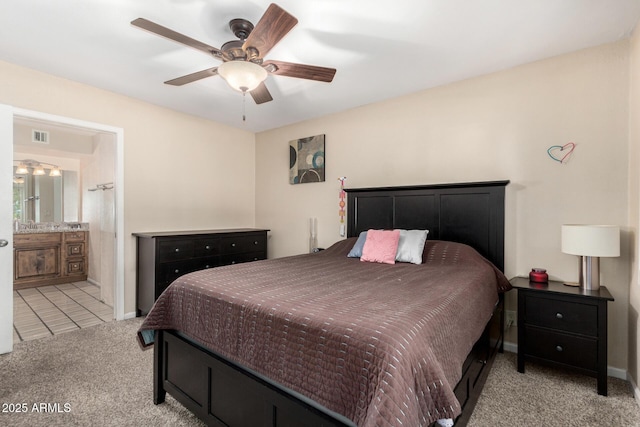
562	348
562	315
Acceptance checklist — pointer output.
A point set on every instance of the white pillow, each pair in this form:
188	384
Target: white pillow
411	246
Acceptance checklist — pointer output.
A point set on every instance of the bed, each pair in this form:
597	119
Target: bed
327	340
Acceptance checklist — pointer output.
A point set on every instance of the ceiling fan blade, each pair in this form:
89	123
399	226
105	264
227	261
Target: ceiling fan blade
300	71
175	36
272	27
261	94
179	81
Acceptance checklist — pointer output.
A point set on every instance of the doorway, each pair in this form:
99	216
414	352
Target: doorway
116	243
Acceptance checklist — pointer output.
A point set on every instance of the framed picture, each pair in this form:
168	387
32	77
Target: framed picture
306	160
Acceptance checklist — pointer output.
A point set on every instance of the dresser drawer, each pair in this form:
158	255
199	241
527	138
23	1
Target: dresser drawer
244	257
206	247
207	262
562	348
244	243
169	250
170	271
562	315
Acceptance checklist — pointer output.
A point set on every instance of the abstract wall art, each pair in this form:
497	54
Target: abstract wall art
306	160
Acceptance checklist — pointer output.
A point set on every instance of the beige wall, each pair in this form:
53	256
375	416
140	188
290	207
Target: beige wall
493	127
634	209
181	172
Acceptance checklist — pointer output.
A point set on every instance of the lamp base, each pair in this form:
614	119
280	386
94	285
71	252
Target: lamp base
589	273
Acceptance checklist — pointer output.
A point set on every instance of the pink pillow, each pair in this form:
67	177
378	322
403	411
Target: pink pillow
381	246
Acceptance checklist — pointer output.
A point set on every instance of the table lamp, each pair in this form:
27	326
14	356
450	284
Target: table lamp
590	242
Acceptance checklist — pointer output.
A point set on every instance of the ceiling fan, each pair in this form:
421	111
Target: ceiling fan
243	66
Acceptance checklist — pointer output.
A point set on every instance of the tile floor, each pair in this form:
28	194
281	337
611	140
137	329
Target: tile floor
49	310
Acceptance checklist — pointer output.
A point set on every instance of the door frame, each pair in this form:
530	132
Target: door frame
6	231
6	292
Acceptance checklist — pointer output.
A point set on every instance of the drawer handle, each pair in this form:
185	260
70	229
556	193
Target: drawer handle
559	348
177	249
233	262
207	266
559	316
255	243
177	271
207	247
233	245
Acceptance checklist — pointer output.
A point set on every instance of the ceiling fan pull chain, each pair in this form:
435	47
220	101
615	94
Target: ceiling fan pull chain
244	98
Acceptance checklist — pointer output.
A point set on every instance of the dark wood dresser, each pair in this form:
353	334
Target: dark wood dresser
563	325
165	256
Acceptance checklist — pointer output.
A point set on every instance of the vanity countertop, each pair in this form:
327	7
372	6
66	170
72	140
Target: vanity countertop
50	227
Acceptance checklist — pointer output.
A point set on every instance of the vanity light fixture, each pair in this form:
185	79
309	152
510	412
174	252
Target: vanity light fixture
37	167
38	170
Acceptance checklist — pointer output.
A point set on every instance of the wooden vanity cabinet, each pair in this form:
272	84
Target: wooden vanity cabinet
42	259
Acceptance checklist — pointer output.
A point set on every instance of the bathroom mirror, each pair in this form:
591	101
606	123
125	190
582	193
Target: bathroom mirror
44	198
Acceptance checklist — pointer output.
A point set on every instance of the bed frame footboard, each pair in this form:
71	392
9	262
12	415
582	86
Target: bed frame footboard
222	393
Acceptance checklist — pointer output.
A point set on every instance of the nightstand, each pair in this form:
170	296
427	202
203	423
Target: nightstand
564	326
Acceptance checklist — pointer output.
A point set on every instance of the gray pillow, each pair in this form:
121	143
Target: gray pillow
356	251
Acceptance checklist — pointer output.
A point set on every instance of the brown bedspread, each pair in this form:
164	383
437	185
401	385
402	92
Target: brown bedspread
380	344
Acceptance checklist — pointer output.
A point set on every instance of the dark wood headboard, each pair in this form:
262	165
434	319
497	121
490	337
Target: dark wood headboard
470	213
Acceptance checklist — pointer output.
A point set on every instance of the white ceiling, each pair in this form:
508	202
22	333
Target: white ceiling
381	49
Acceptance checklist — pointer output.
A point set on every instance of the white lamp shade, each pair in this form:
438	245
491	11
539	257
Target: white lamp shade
243	76
591	240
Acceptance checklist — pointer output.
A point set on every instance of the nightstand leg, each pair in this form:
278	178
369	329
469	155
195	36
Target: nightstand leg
520	363
602	384
521	328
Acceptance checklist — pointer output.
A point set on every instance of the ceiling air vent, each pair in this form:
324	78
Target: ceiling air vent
40	136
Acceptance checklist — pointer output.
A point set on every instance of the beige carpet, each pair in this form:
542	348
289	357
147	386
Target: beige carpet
106	380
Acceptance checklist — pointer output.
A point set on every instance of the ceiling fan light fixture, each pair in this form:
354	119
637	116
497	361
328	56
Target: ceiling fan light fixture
242	76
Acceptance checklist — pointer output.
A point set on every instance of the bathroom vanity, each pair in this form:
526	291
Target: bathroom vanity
45	256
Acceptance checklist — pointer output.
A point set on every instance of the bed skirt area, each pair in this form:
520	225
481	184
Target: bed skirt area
222	393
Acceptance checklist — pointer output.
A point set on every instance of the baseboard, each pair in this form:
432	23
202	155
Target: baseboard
510	347
636	391
130	315
611	371
93	282
617	373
